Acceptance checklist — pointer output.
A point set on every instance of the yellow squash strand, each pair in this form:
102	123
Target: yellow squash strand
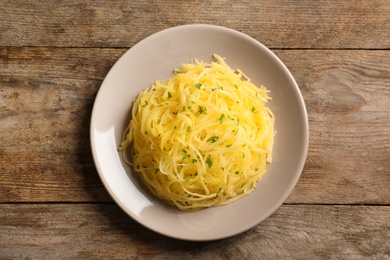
201	138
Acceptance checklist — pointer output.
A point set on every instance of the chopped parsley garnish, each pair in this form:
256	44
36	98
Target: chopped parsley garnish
146	103
236	172
231	118
253	109
169	95
194	161
221	118
219	190
202	110
156	170
186	155
198	85
209	162
212	139
175	113
228	145
188	128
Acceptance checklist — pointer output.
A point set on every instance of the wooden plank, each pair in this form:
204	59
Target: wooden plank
46	97
278	24
348	101
103	231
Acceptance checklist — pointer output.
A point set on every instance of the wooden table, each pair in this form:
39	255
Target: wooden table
53	58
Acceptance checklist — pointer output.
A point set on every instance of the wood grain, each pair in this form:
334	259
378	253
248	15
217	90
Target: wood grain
102	231
46	98
347	94
278	24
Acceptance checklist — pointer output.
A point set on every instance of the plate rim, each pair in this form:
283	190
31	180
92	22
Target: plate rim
305	145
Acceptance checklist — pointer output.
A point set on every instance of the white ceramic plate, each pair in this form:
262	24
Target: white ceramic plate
154	58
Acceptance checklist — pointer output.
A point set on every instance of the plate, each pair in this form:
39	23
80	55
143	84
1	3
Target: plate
155	58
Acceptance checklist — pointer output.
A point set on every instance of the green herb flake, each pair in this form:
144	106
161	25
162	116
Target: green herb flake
186	155
253	109
236	172
175	113
219	190
169	95
202	110
156	170
188	128
209	162
194	161
223	168
231	118
236	86
243	155
204	182
198	85
212	139
146	103
228	145
196	174
221	118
